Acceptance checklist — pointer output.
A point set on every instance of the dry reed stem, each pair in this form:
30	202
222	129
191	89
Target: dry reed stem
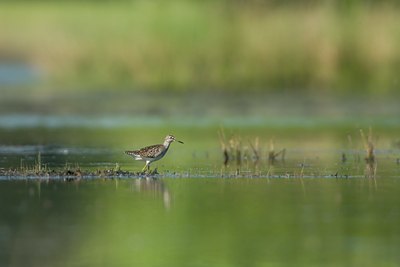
255	149
222	141
368	146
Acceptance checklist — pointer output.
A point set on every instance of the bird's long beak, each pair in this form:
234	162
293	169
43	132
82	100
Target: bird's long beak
180	141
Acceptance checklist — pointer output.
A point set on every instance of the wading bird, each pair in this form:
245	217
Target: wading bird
152	153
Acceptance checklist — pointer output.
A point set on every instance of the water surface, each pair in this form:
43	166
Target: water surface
200	222
320	205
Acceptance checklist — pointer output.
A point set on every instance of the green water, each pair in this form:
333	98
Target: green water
310	209
322	205
200	222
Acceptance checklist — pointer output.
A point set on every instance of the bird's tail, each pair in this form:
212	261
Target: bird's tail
130	153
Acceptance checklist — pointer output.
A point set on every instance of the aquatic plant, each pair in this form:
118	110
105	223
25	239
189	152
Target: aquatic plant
272	155
232	149
368	146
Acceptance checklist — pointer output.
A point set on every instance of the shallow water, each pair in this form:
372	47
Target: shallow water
320	205
200	222
310	209
309	152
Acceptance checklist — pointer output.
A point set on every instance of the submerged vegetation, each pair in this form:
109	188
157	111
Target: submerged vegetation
188	45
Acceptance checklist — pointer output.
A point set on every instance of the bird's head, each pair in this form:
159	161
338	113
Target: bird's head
170	138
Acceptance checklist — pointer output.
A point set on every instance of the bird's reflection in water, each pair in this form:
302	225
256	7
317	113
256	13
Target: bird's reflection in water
156	186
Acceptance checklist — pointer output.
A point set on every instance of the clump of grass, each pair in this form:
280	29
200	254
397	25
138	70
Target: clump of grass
233	151
236	147
371	165
37	169
256	149
40	170
272	155
224	147
356	155
368	146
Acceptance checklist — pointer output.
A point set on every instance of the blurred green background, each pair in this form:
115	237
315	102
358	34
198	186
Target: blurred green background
83	81
299	46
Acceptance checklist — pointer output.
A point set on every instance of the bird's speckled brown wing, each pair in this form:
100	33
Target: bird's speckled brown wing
149	151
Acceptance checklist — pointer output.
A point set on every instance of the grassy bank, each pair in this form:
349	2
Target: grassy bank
187	45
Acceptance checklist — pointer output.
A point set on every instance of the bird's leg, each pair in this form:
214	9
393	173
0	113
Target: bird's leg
145	166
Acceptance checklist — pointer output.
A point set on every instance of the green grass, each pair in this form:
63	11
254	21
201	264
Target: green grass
189	45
